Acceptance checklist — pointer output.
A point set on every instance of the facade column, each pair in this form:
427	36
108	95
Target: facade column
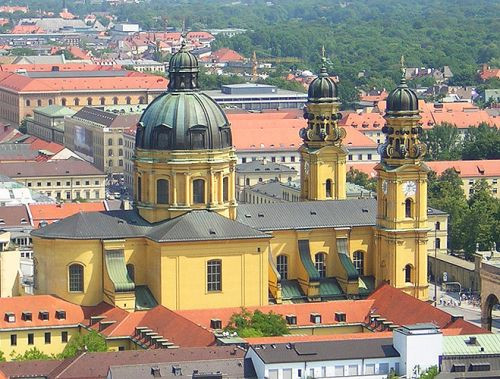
151	190
232	184
187	184
220	190
174	188
211	189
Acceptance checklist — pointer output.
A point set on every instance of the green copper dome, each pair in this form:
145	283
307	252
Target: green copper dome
402	101
322	89
183	118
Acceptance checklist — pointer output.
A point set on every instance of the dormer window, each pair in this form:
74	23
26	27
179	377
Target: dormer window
10	317
43	315
61	315
291	319
27	316
315	318
215	323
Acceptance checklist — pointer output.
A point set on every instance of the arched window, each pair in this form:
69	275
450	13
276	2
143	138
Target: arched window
247	181
75	278
63	102
39	103
110	141
162	191
120	162
358	259
115	101
120	141
28	103
198	191
51	102
131	271
384	205
139	188
76	101
438	243
320	264
214	275
408	208
102	100
110	163
408	270
438	225
328	188
141	100
225	189
282	266
120	152
110	152
128	100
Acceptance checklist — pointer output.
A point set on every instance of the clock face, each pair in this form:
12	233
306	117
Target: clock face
409	188
384	187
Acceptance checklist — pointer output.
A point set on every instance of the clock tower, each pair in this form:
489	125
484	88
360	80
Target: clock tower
322	156
401	230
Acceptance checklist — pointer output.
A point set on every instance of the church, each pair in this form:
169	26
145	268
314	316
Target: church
187	244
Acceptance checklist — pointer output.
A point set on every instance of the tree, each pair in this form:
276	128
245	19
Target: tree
482	223
91	341
68	55
443	143
430	373
446	193
361	179
257	324
22	51
2	357
31	355
482	142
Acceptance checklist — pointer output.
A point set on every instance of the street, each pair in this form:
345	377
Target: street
471	313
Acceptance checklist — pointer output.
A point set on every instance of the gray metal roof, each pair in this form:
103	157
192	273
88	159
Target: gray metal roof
265	167
326	350
309	214
107	119
193	226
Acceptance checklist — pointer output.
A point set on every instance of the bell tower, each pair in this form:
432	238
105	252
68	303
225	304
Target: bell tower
401	230
322	156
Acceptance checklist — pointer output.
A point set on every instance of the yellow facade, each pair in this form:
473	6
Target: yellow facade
322	156
54	344
180	169
174	272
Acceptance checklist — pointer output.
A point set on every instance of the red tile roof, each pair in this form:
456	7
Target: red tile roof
273	133
490	74
27	29
12	9
8	133
172	326
356	312
199	35
463	119
131	81
15	216
56	212
227	55
469	169
403	309
35	304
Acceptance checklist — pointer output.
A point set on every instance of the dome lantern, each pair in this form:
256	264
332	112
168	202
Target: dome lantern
402	101
322	89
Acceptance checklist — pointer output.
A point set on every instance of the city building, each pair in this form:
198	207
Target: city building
257	97
254	172
64	179
277	192
9	267
22	93
469	171
47	123
274	136
190	245
98	137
